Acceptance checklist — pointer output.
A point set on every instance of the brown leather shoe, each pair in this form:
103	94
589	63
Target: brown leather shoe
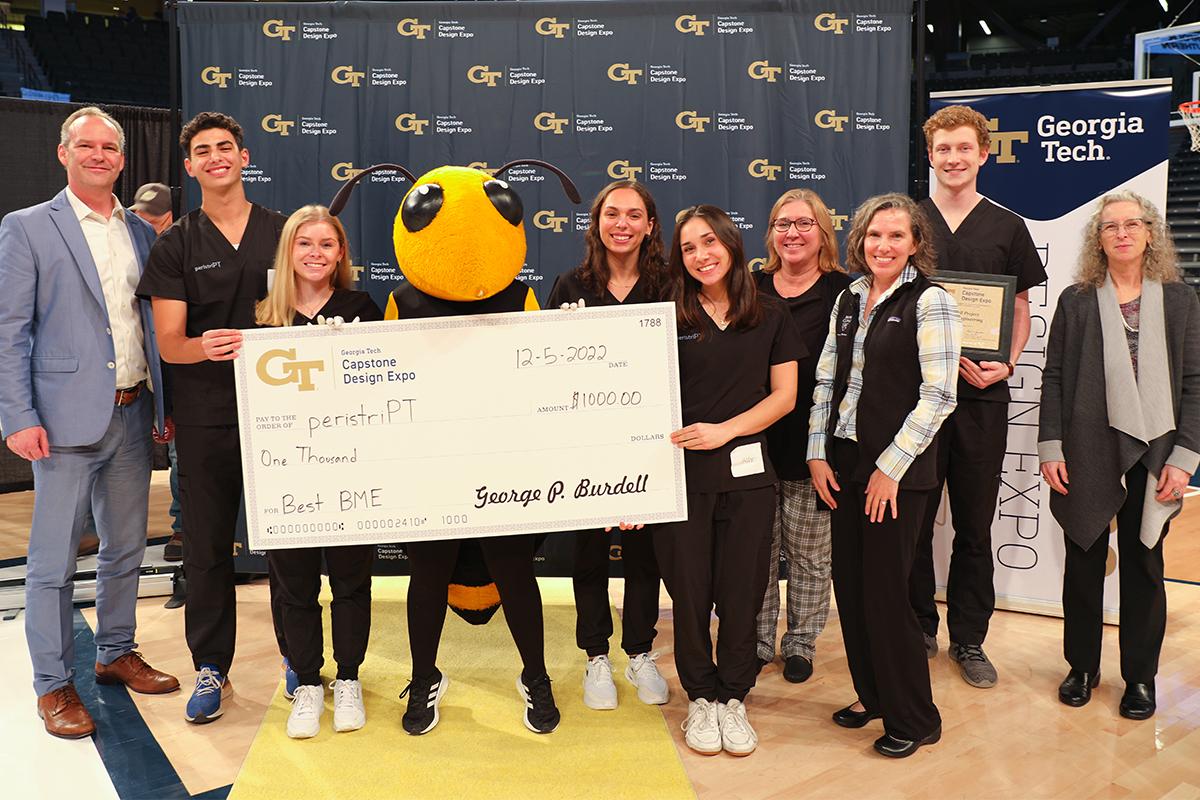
64	714
133	671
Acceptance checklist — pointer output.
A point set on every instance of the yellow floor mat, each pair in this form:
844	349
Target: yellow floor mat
480	749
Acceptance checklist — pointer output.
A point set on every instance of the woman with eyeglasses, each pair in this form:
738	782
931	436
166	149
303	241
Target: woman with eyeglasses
1119	436
737	377
623	264
802	270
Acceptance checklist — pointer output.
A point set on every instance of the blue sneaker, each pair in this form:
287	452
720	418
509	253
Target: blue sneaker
290	681
205	703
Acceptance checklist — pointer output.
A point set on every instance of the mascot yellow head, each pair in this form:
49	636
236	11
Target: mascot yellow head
459	233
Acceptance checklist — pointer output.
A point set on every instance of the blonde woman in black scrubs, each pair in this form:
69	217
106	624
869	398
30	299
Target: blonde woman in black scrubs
737	368
312	280
623	264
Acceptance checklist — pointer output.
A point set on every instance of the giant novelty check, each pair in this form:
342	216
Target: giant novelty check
460	426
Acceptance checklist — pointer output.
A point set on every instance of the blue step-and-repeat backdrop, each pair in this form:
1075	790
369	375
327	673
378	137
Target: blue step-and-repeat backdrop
716	102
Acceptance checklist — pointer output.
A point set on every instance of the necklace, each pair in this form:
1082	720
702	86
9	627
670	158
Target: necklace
718	317
1125	322
310	309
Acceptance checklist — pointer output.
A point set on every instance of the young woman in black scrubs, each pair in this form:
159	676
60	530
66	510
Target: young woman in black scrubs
886	381
312	280
802	270
737	367
623	263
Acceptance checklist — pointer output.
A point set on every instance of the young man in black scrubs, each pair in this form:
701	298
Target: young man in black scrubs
971	234
204	276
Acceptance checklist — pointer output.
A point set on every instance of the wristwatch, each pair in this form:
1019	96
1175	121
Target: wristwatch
1011	368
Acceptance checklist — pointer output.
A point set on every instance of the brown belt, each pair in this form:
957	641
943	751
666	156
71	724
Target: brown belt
127	396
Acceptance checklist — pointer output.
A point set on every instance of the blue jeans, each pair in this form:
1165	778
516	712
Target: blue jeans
175	511
111	478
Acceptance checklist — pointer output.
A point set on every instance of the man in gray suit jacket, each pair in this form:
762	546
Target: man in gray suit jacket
80	389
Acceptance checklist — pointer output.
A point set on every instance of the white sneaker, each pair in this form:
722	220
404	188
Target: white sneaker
599	691
348	711
701	729
307	706
642	673
737	737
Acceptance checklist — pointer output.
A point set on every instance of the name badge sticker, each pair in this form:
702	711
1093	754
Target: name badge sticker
746	459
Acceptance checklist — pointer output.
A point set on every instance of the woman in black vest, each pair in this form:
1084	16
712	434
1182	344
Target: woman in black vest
312	283
886	380
737	376
623	264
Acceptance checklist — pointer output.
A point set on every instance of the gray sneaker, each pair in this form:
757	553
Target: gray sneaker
974	665
931	645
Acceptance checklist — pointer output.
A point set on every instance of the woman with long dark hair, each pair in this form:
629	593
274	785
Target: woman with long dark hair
623	264
737	374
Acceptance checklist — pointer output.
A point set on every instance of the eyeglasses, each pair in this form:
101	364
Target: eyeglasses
783	225
1130	226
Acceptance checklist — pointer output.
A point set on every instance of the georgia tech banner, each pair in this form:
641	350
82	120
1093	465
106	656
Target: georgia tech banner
711	102
1055	151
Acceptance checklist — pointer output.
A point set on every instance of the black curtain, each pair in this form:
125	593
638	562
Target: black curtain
29	165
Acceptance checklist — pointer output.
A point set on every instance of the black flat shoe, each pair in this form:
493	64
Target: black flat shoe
1076	688
890	746
848	718
797	669
1138	701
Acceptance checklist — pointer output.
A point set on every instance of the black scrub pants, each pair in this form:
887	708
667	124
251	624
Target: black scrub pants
510	561
971	456
1143	614
718	558
871	564
297	579
593	621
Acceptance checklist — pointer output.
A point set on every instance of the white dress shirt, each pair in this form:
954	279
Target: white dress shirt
112	250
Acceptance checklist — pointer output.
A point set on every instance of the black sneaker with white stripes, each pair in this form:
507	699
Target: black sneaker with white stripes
541	715
424	694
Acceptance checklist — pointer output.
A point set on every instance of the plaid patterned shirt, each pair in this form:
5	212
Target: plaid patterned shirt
939	341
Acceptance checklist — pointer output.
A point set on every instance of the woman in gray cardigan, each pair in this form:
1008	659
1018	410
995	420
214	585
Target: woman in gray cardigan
1119	436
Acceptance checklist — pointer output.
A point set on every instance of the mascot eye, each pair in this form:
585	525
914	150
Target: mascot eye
505	200
421	206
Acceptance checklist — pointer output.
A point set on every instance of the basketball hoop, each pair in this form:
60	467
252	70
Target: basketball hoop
1191	116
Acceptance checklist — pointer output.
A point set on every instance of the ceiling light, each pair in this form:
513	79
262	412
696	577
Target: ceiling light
988	31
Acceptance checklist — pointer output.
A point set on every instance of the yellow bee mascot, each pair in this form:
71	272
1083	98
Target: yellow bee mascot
459	238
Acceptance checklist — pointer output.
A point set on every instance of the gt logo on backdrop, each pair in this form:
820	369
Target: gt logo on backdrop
622	171
275	123
760	168
1002	142
621	73
347	74
688	23
829	118
550	26
275	29
548	121
356	271
547	221
292	371
829	21
343	171
763	71
213	76
756	264
482	167
411	26
411	123
837	219
483	74
688	121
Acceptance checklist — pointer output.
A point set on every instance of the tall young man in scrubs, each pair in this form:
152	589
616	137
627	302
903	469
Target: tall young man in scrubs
971	234
204	276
